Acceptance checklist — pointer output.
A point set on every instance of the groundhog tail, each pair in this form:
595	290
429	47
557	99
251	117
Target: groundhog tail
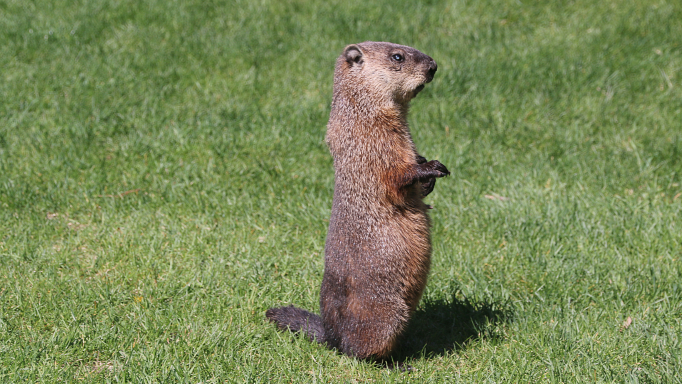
297	320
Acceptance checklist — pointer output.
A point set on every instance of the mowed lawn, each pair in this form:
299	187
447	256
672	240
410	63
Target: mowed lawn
164	180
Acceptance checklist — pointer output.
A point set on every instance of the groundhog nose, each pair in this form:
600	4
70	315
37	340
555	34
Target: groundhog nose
433	67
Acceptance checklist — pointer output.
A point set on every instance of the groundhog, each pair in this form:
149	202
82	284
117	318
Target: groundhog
378	248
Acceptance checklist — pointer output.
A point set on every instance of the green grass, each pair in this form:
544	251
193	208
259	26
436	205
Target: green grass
164	180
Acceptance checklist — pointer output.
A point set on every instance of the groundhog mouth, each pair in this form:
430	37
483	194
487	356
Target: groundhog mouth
428	79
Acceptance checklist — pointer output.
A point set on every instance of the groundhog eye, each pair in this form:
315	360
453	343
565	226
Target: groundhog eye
397	57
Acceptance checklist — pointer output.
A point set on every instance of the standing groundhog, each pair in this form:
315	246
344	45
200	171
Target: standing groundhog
378	248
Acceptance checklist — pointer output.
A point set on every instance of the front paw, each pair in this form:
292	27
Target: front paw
427	186
436	169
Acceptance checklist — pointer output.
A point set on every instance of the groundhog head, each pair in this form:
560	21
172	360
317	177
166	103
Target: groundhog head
393	71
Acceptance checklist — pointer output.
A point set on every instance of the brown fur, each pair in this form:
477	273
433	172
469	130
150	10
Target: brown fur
378	248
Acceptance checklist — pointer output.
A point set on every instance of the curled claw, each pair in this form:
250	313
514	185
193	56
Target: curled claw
427	172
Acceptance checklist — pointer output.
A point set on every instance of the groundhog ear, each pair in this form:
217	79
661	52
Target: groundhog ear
353	54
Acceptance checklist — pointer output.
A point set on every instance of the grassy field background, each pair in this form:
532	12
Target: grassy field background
164	180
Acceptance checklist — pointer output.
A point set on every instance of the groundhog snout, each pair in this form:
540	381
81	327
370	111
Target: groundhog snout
433	67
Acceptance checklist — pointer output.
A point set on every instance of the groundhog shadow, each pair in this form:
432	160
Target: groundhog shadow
440	326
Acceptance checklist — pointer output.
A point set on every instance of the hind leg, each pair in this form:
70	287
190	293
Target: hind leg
372	330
